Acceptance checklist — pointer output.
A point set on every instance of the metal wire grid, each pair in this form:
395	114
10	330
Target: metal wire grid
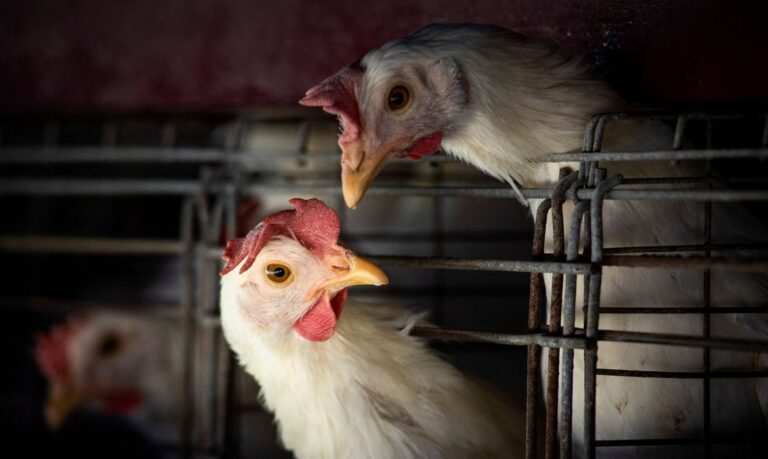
211	201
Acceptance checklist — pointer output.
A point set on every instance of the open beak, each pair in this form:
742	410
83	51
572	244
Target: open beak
358	168
360	272
62	401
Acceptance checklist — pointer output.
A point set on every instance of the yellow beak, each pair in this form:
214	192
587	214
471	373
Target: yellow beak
354	184
62	401
359	168
360	272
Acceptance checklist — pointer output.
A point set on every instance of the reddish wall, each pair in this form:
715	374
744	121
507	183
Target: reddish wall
206	54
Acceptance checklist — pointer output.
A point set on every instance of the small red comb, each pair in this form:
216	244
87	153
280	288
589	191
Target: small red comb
51	350
312	223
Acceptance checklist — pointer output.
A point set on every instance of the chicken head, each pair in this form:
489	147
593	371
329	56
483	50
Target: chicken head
289	273
387	111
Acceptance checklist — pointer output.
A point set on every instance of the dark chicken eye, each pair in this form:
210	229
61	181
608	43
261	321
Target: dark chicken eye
398	98
110	345
278	273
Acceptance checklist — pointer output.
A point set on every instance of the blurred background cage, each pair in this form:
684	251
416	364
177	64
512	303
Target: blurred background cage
131	214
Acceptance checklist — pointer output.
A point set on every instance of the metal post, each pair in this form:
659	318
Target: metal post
535	302
555	312
592	312
569	308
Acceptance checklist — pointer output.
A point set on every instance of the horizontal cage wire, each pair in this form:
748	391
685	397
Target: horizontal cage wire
208	209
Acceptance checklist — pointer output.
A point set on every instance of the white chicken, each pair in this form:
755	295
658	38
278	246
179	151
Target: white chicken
496	100
120	364
355	386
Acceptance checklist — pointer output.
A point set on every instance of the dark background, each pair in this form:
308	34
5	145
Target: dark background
92	55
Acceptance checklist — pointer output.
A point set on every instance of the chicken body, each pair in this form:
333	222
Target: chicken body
372	392
497	100
367	389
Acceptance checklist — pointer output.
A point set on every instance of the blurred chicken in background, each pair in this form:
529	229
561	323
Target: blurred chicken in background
115	364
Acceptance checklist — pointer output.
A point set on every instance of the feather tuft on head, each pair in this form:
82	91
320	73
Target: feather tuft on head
312	223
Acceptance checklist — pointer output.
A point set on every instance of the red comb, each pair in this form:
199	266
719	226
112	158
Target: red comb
51	350
312	223
337	96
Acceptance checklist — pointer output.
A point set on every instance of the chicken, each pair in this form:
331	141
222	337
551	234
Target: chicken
119	364
355	386
485	95
496	100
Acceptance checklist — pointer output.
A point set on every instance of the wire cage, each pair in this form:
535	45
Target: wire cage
221	172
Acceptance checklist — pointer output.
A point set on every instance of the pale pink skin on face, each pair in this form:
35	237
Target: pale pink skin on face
305	240
373	132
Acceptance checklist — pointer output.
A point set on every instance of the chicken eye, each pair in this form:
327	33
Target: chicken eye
277	272
398	98
110	345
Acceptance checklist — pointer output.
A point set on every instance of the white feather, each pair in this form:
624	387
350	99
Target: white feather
370	391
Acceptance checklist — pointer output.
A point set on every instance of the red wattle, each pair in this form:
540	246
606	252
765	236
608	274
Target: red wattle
423	147
122	402
319	323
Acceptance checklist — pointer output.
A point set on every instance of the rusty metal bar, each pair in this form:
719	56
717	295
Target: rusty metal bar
483	265
555	312
534	323
597	142
569	313
603	186
581	341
